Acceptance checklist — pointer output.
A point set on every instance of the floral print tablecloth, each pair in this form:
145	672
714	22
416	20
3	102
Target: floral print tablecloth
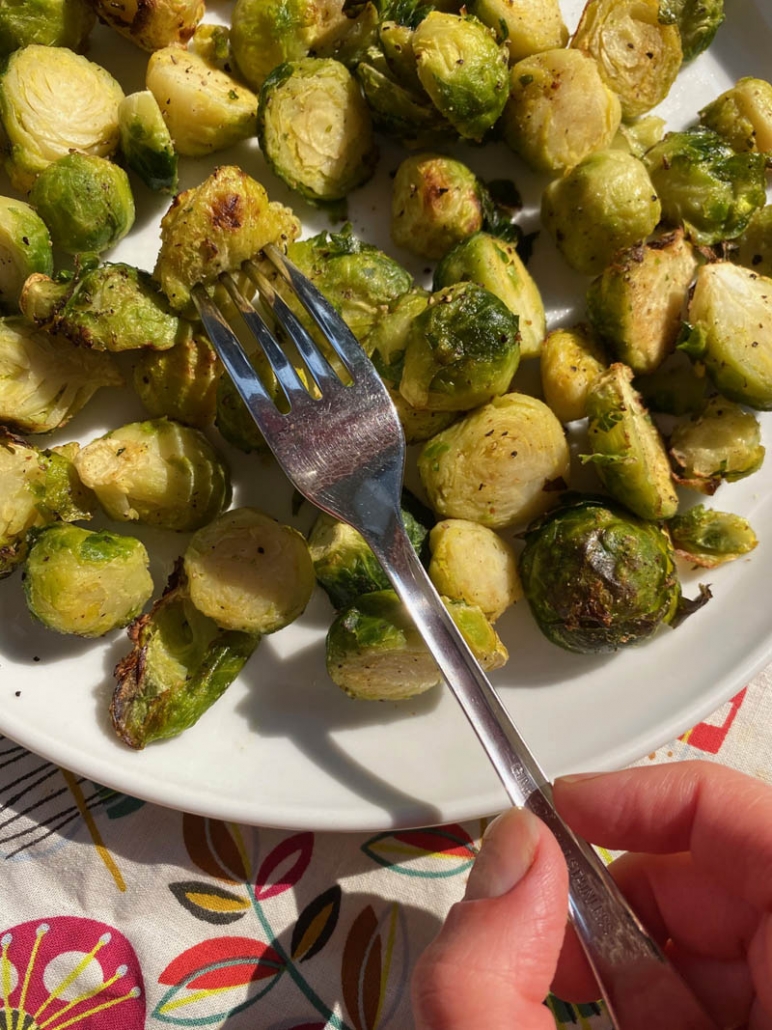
120	915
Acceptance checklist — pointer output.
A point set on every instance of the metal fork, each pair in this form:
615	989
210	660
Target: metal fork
343	448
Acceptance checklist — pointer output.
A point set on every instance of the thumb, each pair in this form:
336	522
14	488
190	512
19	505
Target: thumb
497	952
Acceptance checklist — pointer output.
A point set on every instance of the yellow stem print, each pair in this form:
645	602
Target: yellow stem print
88	819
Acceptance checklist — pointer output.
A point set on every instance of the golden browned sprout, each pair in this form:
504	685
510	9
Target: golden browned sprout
571	361
152	24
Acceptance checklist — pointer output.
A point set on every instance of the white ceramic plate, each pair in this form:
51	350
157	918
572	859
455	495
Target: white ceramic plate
284	746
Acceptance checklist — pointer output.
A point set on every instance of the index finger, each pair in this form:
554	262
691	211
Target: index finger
722	817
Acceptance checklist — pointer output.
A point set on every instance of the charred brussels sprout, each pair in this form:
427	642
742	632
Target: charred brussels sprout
86	583
181	662
754	246
463	69
697	21
743	115
375	653
596	578
730	313
53	102
25	249
638	55
180	383
436	202
85	201
315	130
708	538
157	472
525	27
704	185
722	443
146	143
559	110
603	205
248	572
627	449
471	563
45	381
152	24
496	265
461	351
65	23
213	228
571	361
500	466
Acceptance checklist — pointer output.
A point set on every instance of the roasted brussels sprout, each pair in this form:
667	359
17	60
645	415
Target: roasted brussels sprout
213	228
463	69
743	115
495	264
180	383
571	361
730	333
436	202
677	387
638	54
64	23
315	129
754	246
54	102
708	538
157	472
408	115
45	381
25	249
637	304
559	110
501	465
722	443
375	653
704	185
205	108
697	21
86	583
152	24
114	307
627	448
213	43
181	662
418	424
461	351
388	338
473	564
248	572
603	205
526	27
596	578
640	135
146	142
85	201
234	419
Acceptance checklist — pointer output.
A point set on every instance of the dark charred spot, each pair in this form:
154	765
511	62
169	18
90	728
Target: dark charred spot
227	212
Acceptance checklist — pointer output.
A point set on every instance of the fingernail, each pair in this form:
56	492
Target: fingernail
579	777
507	853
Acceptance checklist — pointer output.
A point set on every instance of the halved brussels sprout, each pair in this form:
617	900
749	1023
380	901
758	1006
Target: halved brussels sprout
213	228
375	653
731	332
461	351
86	583
248	572
146	142
54	102
157	472
698	22
743	115
501	465
704	185
152	24
526	27
677	387
627	448
25	249
205	108
114	307
603	205
181	662
315	130
754	246
559	110
45	381
596	578
396	43
638	54
637	304
409	115
722	443
496	265
388	338
640	135
436	202
571	361
463	69
472	563
85	201
180	383
708	538
47	22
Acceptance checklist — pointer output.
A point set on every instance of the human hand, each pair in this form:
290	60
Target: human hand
699	874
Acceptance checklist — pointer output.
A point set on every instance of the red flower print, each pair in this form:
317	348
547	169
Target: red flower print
69	972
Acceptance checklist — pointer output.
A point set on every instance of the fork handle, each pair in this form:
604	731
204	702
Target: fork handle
640	987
